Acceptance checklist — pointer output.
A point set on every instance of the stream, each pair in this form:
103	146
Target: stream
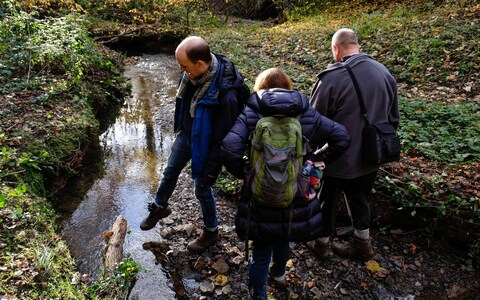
134	151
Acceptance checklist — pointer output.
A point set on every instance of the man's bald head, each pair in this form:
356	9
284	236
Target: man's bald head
195	48
344	43
193	56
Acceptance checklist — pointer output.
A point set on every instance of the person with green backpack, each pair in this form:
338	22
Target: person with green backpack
276	137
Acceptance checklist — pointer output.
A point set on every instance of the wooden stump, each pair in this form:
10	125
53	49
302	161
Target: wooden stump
114	243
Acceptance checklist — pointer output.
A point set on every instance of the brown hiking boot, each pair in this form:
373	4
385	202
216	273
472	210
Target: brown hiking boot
156	213
321	250
355	248
280	282
205	240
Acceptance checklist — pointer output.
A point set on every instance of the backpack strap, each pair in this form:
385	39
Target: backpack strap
359	94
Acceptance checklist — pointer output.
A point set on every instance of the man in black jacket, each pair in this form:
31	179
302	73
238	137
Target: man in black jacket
210	96
335	97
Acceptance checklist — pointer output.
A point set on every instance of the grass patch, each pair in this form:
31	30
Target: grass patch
441	132
34	260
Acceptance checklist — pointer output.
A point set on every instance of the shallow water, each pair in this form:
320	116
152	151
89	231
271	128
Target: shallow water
134	151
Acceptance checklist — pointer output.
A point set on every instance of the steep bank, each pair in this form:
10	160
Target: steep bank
55	100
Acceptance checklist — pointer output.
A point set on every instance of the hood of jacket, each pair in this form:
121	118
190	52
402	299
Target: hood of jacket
229	77
281	102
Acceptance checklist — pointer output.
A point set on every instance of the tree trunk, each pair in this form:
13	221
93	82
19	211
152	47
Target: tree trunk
114	243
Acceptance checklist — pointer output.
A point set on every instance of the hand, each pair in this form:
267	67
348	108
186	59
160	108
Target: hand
319	165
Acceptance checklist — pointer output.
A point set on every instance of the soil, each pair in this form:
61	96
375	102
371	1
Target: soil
407	265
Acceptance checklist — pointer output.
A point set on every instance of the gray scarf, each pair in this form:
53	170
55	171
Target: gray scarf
204	82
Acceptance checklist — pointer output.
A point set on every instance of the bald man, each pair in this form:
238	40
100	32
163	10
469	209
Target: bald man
334	96
210	96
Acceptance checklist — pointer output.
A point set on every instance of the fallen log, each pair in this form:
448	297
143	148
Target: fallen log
113	253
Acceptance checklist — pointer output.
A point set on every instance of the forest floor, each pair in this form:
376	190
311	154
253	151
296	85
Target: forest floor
408	263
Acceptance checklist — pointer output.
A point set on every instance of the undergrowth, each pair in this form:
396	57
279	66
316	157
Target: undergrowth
430	49
53	79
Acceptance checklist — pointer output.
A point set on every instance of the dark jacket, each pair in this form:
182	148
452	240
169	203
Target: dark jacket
214	116
302	221
334	96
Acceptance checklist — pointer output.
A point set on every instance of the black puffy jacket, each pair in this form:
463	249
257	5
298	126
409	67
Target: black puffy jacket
302	220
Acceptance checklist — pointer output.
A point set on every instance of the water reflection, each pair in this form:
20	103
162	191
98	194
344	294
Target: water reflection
135	150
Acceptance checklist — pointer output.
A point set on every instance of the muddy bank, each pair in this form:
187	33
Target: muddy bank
136	40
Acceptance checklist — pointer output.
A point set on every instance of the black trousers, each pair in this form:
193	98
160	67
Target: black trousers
356	191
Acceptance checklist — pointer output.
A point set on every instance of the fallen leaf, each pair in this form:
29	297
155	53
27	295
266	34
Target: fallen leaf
220	280
372	266
221	266
207	287
396	231
200	264
107	234
413	248
289	263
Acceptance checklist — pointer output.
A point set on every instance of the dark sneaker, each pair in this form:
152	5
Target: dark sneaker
205	240
356	248
321	250
156	213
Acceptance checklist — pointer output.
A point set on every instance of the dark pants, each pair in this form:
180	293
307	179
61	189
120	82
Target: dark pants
356	190
263	253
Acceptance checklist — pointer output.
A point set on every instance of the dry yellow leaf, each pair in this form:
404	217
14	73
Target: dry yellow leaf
220	280
373	266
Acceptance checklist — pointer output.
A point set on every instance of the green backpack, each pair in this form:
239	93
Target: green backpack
277	150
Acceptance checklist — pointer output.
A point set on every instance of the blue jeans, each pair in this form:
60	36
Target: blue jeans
263	252
178	159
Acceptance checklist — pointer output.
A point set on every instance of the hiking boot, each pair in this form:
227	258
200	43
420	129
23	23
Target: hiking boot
205	240
280	282
355	248
156	213
321	250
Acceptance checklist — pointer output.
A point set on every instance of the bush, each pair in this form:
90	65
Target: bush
32	50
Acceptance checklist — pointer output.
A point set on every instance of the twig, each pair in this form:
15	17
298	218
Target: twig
114	38
338	284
